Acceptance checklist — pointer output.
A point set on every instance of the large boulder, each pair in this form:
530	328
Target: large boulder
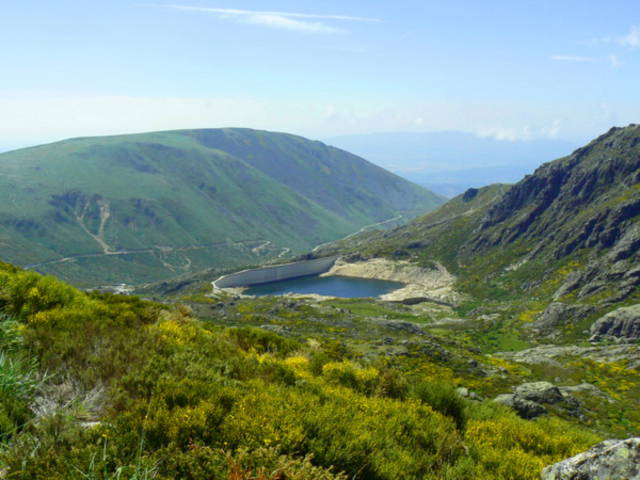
608	460
621	324
557	314
527	399
541	392
526	409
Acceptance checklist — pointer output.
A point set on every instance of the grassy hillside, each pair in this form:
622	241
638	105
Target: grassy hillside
138	208
106	387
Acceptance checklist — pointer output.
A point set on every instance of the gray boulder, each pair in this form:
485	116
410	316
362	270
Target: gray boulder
528	398
541	392
622	323
608	460
404	326
526	409
558	313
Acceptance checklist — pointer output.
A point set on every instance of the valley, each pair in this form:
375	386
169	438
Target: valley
509	342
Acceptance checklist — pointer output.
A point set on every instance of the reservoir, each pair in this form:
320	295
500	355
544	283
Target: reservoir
334	286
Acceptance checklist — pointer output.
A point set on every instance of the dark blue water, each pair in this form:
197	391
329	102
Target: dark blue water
334	286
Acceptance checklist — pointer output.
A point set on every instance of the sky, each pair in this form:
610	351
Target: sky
509	70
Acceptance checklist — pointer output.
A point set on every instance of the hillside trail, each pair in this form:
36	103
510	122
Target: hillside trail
105	213
363	229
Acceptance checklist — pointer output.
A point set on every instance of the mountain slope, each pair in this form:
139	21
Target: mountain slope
143	207
558	249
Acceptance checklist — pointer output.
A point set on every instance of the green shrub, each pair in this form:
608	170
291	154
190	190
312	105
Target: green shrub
262	341
443	398
26	293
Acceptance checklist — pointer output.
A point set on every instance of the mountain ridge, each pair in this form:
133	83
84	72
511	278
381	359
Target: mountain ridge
563	241
187	188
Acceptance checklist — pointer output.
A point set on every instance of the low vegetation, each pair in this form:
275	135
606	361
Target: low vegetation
106	386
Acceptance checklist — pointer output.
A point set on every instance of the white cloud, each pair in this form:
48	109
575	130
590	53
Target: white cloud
278	21
509	134
281	20
573	58
632	39
614	61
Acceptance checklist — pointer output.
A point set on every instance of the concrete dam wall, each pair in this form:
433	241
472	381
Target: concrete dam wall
275	273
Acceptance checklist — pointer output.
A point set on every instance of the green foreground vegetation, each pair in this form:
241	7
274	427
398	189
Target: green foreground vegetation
104	386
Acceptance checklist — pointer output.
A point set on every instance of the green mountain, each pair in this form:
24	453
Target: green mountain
559	248
144	207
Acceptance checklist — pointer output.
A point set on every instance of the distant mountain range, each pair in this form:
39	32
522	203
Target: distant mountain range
449	162
144	207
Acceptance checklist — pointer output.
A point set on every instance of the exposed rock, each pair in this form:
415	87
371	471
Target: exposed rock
403	326
447	321
505	399
470	194
547	354
627	245
608	460
526	409
583	388
558	313
462	391
528	398
622	323
541	392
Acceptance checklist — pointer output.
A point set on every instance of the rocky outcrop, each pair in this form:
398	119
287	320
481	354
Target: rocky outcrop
620	324
554	355
558	313
541	392
528	398
524	408
609	460
588	200
545	204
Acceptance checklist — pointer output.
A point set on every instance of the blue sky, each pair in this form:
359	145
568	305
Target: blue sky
507	69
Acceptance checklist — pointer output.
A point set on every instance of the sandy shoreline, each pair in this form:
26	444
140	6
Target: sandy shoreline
434	283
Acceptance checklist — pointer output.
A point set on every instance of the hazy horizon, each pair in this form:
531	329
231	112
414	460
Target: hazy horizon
547	70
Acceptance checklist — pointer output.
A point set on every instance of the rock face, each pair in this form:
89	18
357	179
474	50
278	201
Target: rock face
588	200
541	392
528	398
622	323
554	354
558	313
609	460
524	408
544	205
